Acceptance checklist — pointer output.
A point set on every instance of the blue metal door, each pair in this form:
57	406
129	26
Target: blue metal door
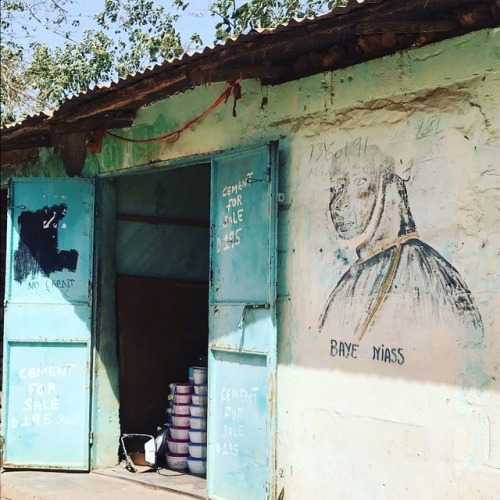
47	339
242	338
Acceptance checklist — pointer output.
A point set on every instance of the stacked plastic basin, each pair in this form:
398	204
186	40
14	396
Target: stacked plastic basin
178	419
197	446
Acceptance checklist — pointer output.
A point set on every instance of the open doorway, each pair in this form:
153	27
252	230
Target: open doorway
162	270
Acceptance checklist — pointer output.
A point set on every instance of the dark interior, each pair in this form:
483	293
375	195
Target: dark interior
163	328
162	260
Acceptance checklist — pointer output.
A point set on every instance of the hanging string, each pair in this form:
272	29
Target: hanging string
233	88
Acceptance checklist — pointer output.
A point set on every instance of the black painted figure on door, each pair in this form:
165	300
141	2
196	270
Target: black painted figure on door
38	251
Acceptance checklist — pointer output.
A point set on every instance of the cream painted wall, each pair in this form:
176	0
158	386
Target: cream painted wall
423	422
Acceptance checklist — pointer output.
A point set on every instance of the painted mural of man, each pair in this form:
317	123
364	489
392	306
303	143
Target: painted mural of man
397	278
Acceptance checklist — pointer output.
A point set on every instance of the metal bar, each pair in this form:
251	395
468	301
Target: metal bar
170	221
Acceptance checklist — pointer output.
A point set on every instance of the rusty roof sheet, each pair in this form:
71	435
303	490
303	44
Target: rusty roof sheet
293	50
189	56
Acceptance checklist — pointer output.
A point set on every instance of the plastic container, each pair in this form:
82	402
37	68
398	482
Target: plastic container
198	411
181	409
161	440
182	399
197	466
198	423
200	389
180	420
197	450
198	399
200	375
182	388
177	461
178	446
179	432
198	436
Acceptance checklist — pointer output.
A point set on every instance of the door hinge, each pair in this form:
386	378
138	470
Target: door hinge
91	437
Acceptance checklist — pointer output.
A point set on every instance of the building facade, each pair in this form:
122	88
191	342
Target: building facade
329	244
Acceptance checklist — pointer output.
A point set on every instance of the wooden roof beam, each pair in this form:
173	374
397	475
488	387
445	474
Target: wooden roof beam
27	141
437	26
479	14
119	98
143	93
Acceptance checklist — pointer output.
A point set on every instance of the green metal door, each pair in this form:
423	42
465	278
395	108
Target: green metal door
242	338
47	339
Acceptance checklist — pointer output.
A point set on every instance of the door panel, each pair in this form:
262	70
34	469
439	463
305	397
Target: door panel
235	327
242	330
47	340
241	214
44	212
46	411
239	435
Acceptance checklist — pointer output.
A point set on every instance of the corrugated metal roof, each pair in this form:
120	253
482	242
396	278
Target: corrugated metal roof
293	50
187	57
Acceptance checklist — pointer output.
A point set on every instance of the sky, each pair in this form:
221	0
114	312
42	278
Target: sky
195	19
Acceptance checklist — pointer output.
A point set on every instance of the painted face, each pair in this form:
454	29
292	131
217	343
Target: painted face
353	198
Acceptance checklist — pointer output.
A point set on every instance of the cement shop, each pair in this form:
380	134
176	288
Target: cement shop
307	215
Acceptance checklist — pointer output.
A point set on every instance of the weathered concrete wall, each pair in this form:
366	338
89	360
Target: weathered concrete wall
388	378
418	419
388	375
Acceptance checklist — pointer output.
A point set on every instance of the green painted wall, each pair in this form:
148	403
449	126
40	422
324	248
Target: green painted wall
370	84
